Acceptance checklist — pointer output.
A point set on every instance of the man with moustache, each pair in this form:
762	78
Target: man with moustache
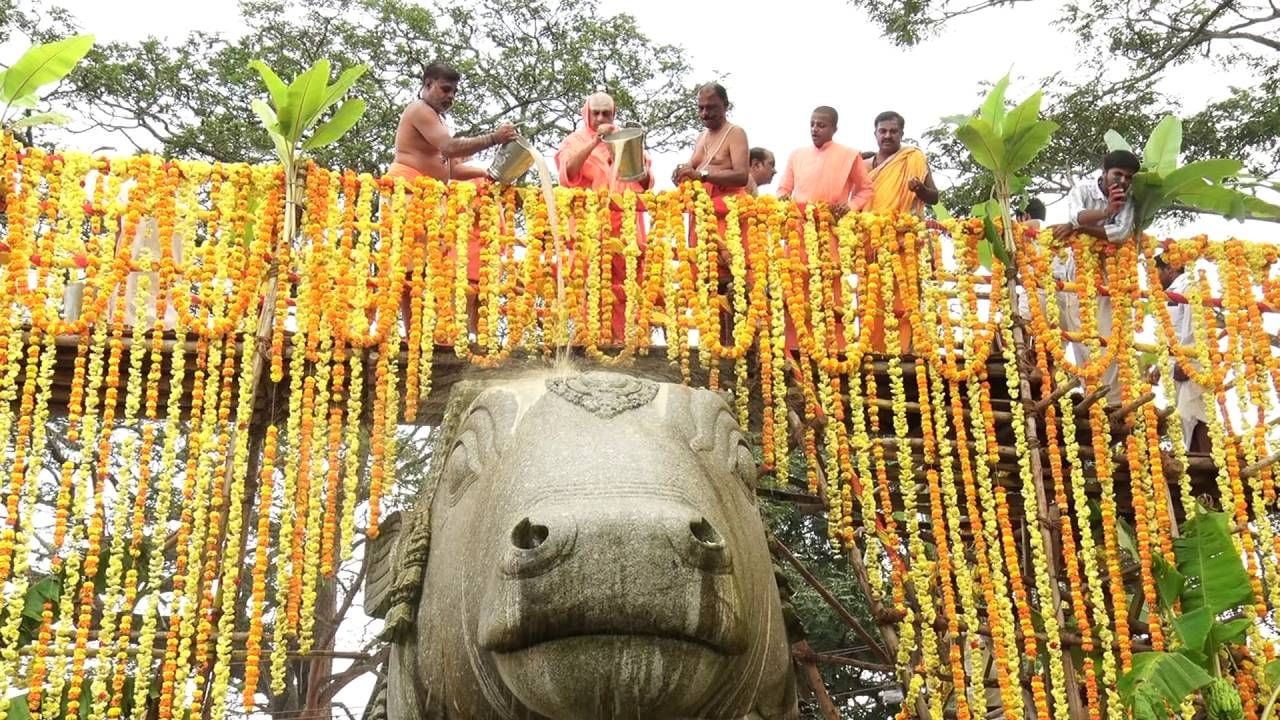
899	173
424	146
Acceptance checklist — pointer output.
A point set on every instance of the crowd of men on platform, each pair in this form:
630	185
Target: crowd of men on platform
894	178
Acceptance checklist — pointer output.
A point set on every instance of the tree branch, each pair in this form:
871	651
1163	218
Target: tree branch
1165	59
1266	42
335	683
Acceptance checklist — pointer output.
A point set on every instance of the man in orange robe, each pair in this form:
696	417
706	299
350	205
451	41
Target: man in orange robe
826	172
901	184
424	146
585	161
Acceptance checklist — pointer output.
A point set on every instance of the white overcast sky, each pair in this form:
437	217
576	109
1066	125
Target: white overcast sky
779	65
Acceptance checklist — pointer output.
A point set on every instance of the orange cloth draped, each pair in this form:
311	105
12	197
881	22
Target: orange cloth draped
891	195
597	171
400	170
833	173
889	182
597	174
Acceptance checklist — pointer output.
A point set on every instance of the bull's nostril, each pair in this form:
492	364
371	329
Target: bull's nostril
527	535
705	533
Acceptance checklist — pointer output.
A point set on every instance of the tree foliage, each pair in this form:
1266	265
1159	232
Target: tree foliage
531	63
1129	50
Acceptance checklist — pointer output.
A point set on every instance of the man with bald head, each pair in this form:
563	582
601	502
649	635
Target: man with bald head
585	161
828	171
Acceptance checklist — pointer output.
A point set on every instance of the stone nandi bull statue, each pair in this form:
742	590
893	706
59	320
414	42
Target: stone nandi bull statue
587	547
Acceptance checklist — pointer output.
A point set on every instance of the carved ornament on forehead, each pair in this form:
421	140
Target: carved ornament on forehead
604	394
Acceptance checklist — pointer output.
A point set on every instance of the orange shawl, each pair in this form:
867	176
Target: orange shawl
889	182
597	171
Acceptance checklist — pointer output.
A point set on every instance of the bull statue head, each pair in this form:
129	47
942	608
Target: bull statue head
588	548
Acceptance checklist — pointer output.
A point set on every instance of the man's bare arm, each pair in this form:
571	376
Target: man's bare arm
428	123
739	159
926	191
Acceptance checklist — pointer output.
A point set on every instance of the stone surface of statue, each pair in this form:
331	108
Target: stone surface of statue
587	548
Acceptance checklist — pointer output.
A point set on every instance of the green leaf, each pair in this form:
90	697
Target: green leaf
339	88
1208	559
1024	149
267	115
337	126
1273	674
1125	538
941	212
1163	147
992	236
992	110
1169	581
980	137
1170	675
18	708
1116	141
1229	632
44	64
1193	627
984	253
1224	201
26	102
1022	118
302	108
1211	171
275	86
955	119
46	118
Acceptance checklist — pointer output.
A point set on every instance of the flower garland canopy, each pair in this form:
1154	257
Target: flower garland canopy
140	293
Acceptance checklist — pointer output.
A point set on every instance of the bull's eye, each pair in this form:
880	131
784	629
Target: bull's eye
459	470
744	465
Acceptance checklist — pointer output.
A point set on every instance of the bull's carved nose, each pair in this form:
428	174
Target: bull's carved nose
528	535
706	548
536	548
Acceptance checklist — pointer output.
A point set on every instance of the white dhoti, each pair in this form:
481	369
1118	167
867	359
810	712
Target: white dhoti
1191	408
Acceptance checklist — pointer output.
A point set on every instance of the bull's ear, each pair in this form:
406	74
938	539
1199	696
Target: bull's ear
482	436
716	434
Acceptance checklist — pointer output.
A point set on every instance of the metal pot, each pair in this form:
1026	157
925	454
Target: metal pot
627	148
511	161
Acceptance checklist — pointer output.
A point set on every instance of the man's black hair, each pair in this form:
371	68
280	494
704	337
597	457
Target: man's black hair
1122	159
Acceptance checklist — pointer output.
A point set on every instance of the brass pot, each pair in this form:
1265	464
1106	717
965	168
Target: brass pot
627	148
511	161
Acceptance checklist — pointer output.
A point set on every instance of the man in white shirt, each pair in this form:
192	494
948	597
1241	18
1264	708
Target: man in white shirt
1098	207
1190	396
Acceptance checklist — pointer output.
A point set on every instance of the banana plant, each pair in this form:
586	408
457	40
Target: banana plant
1207	583
39	66
1211	186
1004	142
292	116
297	107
